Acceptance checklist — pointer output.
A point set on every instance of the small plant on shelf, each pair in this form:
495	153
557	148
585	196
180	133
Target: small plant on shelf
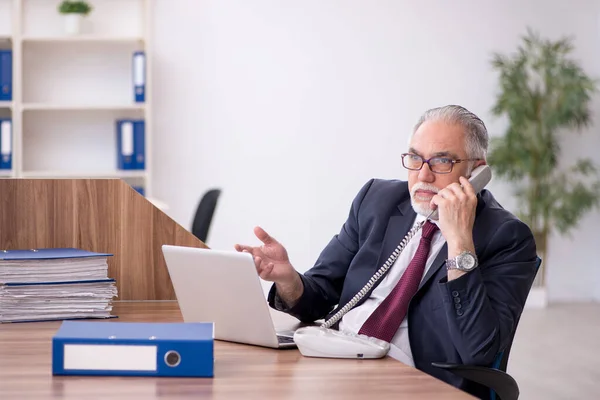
73	12
74	7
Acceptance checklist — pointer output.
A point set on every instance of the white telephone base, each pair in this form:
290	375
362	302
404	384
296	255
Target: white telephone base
315	341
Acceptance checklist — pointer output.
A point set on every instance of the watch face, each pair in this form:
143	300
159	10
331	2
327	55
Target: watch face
467	261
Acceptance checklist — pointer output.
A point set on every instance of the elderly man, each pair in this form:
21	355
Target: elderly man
456	291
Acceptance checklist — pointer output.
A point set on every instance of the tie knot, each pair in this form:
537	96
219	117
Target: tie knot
429	229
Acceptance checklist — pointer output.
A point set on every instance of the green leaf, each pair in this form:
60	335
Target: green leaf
573	203
584	166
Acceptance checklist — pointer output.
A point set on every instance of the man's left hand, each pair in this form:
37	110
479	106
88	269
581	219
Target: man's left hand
456	207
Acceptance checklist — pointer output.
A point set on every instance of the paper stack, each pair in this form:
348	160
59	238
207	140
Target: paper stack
54	284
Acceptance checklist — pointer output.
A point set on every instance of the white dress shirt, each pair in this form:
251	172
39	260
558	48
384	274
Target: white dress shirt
355	318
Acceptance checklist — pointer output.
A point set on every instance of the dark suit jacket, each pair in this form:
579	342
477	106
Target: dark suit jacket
468	320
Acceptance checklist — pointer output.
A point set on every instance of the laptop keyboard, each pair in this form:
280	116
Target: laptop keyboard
285	339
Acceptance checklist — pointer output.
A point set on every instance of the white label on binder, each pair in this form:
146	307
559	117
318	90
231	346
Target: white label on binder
6	138
109	357
138	69
127	138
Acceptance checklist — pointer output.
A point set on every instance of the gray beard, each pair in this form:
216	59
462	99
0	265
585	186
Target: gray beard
420	208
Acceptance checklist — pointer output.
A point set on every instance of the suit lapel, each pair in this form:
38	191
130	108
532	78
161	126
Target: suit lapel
439	261
399	223
398	226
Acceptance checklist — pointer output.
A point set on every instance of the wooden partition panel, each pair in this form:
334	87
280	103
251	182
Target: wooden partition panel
103	215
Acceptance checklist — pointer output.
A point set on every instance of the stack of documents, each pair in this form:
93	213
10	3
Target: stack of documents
54	284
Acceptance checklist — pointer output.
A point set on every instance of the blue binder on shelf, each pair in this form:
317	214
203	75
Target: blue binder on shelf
134	349
139	144
139	189
6	75
131	146
139	76
5	143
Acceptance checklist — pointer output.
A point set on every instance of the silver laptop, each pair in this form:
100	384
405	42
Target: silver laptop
223	287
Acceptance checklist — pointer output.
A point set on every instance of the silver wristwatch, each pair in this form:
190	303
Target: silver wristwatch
465	261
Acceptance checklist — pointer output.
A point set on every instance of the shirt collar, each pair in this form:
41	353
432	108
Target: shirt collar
422	218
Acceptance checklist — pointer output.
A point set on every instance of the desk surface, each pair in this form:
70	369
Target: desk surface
241	371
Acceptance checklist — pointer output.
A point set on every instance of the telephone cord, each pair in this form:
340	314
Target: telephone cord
381	272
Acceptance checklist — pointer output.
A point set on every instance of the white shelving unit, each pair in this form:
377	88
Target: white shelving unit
69	90
82	107
82	38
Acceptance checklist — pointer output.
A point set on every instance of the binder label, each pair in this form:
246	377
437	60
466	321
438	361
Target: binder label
127	139
5	138
110	357
138	70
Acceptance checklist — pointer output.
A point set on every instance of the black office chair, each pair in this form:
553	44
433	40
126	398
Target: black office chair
204	214
501	384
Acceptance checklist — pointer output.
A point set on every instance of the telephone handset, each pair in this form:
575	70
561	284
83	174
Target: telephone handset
479	178
325	342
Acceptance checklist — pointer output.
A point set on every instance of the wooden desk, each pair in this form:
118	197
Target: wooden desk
241	371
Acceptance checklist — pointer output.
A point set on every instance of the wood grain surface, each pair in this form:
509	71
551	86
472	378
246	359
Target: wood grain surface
103	215
241	371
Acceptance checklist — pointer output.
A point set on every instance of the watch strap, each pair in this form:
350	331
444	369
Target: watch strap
451	264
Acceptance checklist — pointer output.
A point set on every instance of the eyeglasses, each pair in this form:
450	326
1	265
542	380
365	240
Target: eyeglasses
438	165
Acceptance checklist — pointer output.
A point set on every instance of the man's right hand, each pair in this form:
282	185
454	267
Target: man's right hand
272	264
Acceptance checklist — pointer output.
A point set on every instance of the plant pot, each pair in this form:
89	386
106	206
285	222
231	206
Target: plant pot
73	23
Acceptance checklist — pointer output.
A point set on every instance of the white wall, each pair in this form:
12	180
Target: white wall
292	107
597	285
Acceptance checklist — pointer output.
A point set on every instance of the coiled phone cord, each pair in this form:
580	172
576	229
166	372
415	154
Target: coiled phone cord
390	261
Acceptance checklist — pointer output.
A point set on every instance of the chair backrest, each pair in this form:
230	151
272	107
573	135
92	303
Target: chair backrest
501	361
204	214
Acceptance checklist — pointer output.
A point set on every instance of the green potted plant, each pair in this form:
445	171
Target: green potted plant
73	12
545	96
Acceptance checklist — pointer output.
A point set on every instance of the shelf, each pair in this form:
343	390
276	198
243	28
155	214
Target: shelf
82	107
72	174
82	39
70	90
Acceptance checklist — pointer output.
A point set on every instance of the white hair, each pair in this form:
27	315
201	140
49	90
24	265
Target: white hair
476	133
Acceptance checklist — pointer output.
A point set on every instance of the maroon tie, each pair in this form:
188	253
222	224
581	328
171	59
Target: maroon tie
387	317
